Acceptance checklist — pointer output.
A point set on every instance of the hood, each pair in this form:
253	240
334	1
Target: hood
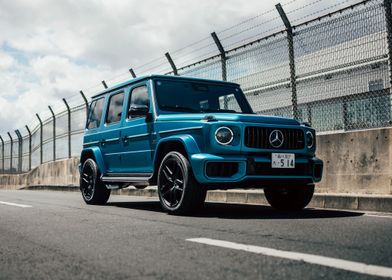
228	117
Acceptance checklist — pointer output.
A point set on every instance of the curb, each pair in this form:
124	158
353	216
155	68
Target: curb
361	202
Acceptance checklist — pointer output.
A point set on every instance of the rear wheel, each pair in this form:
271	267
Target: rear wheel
179	192
92	188
293	198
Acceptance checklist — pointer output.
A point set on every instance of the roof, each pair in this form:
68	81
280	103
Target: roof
154	76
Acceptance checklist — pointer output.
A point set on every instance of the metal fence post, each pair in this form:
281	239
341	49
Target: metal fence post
11	150
29	132
41	139
132	73
222	54
69	127
54	132
173	66
85	102
2	154
293	82
20	142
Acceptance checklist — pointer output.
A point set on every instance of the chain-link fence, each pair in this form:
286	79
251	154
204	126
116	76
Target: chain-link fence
333	71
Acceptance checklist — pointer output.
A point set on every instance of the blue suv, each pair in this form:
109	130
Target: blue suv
189	135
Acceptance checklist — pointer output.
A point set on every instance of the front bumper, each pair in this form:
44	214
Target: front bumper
241	171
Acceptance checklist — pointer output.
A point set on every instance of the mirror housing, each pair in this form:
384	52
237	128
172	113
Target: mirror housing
138	110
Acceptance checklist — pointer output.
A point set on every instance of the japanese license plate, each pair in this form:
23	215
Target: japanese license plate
280	160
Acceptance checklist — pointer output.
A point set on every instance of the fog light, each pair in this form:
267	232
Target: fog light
224	135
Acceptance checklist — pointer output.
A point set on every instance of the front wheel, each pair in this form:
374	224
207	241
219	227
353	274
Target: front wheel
179	192
92	188
292	198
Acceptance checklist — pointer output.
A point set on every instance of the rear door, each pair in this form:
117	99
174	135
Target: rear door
137	134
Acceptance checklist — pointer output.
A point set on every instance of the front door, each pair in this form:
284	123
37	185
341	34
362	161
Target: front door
137	132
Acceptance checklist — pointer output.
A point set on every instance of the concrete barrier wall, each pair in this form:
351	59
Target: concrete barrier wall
357	162
59	173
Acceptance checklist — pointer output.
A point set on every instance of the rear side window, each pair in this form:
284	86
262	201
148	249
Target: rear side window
115	108
95	113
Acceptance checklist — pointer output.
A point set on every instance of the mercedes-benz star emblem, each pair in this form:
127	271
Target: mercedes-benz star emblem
276	138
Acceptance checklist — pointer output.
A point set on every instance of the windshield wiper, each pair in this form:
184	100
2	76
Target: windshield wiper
179	108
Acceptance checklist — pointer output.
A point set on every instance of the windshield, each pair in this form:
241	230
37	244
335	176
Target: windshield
196	97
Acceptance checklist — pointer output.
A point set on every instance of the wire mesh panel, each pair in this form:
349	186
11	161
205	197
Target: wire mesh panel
341	64
78	118
62	135
25	154
260	65
7	156
211	69
15	155
62	123
77	144
35	147
62	147
262	70
47	144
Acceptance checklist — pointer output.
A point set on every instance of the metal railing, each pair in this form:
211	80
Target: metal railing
333	71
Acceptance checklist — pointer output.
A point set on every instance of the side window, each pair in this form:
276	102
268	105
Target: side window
139	100
95	113
115	108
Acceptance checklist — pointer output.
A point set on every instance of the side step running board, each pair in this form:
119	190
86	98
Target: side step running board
124	179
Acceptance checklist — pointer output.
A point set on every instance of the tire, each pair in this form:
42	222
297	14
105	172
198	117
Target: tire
92	189
179	192
293	198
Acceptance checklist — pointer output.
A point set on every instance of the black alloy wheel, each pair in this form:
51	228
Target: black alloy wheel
179	192
172	182
93	190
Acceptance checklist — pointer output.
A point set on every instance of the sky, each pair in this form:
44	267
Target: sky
50	50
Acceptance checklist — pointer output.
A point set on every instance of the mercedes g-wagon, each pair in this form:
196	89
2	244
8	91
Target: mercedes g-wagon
189	135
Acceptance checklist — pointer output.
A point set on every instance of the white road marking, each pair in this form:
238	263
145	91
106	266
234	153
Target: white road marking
378	216
15	204
357	267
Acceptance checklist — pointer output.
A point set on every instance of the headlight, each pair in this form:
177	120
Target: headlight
309	139
224	135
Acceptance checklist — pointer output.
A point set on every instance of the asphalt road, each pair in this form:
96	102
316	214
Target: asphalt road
54	235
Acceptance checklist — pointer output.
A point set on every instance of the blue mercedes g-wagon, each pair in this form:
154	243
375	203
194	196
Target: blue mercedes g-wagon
189	135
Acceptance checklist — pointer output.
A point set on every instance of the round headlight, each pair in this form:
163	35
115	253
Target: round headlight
309	139
224	135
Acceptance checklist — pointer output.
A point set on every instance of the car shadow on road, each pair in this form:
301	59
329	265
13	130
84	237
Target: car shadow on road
242	211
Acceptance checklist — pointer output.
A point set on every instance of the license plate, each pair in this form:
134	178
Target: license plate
279	160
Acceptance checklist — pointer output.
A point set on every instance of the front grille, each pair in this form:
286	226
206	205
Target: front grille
264	168
221	169
258	137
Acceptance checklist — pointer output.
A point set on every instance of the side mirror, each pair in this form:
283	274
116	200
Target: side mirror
138	110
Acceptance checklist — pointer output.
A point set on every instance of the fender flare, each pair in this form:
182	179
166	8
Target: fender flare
186	140
96	152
